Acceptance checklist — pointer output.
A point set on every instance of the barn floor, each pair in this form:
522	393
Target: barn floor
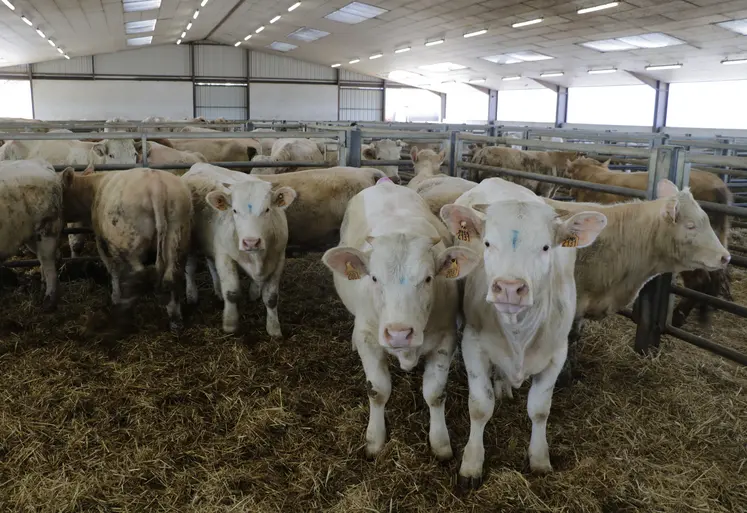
210	422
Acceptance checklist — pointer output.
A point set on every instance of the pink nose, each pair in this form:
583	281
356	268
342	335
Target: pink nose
725	259
398	335
510	291
250	243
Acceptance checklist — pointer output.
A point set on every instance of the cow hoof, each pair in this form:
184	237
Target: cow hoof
176	327
373	450
470	482
230	328
49	304
274	332
540	467
443	453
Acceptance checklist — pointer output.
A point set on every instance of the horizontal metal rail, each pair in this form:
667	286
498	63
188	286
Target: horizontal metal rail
706	344
739	261
588	135
721	304
415	136
579	184
400	163
714	144
238	165
534	143
56	136
709	206
716	160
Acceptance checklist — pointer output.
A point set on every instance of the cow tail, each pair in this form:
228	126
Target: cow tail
158	198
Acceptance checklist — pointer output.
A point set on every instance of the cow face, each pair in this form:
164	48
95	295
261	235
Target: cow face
386	149
251	203
520	240
402	272
694	244
115	151
427	161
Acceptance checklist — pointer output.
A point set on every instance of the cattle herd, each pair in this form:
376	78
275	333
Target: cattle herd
512	269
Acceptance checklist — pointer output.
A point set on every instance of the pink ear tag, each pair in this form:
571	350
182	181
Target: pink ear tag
384	180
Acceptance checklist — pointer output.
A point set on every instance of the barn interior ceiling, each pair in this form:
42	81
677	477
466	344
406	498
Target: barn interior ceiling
501	44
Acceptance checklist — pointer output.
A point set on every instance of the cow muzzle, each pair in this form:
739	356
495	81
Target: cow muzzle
509	296
398	336
251	244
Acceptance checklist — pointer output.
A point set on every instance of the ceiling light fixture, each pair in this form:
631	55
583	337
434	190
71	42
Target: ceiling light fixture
601	71
140	5
61	51
51	43
247	38
178	41
527	23
477	81
551	74
308	34
281	46
476	33
294	7
354	61
237	43
204	3
403	50
336	65
189	25
729	62
355	12
276	18
10	5
67	56
509	79
376	56
41	34
184	34
586	10
663	67
196	14
260	29
27	21
434	42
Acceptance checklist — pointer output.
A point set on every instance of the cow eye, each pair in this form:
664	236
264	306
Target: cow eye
374	279
690	225
545	248
268	209
487	244
234	211
429	279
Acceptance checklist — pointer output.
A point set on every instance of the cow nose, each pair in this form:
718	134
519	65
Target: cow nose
398	335
510	291
725	259
250	243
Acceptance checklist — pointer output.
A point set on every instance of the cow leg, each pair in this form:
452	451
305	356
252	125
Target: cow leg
434	392
538	406
255	291
174	307
190	270
566	374
46	251
214	277
378	384
228	281
270	296
113	270
481	405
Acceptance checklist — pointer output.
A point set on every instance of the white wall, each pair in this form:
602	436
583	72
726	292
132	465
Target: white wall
15	99
104	99
293	101
535	105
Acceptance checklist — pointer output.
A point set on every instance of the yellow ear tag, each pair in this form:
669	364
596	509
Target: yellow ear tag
570	242
351	272
453	270
281	200
463	233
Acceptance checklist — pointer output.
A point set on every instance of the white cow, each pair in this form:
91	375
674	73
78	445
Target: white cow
394	273
385	149
288	150
239	220
519	305
31	196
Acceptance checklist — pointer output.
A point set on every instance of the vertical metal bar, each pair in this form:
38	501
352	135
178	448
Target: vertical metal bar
492	110
443	107
453	138
383	103
248	82
354	148
561	107
194	83
31	90
661	103
342	152
145	149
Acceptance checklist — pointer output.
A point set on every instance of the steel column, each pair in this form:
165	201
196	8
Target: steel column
661	104
354	148
443	106
492	110
453	144
561	107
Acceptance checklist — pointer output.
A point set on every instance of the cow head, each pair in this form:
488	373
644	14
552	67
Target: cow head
427	161
385	149
403	273
520	239
689	237
254	206
115	151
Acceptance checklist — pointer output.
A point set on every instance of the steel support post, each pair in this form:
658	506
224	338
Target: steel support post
492	111
354	148
342	147
453	148
661	103
561	107
145	150
652	307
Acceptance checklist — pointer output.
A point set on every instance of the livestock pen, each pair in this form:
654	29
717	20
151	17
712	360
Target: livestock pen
214	422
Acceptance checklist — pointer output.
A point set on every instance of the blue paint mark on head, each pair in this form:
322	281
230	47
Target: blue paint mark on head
514	238
249	206
402	281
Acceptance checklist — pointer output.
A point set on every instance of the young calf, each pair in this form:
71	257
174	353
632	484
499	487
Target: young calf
31	214
394	273
518	305
239	220
132	213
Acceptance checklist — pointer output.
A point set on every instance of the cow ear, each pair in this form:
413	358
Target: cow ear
68	177
100	149
670	209
665	189
348	262
580	230
462	222
414	153
442	155
88	170
606	163
456	262
369	153
400	143
283	197
219	200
